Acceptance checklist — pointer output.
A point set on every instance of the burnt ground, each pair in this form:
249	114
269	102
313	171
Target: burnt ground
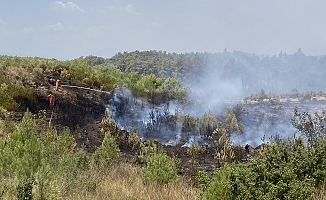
82	111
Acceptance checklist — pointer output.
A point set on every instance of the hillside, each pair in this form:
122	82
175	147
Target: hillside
93	131
80	110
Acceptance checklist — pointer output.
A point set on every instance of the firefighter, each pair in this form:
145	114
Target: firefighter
51	99
247	149
57	83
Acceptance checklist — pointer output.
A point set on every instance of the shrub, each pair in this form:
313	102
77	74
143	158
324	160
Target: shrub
134	141
147	149
283	171
23	153
8	94
24	189
104	154
220	186
160	169
8	127
202	181
45	182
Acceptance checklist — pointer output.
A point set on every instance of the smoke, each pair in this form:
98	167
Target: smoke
262	121
151	121
211	94
215	90
255	135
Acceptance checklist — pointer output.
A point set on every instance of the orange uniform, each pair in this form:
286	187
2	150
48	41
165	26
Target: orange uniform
51	99
57	82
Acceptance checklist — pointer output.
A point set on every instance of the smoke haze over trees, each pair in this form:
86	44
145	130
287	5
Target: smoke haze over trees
213	79
246	72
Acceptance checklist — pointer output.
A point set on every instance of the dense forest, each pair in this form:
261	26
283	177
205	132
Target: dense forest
43	158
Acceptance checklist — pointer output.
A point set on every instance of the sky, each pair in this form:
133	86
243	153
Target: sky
66	30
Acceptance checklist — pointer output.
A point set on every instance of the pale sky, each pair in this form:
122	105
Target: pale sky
69	29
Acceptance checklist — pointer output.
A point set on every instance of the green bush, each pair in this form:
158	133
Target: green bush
202	181
24	189
108	151
9	92
56	145
220	186
23	153
8	126
283	171
46	182
160	169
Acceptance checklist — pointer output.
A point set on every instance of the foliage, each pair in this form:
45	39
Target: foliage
291	170
255	73
193	153
224	151
190	124
24	189
311	126
317	164
232	123
69	166
282	172
220	187
56	145
134	141
160	169
208	124
202	181
94	60
19	72
9	92
23	152
148	149
160	63
28	155
45	182
106	153
8	126
156	89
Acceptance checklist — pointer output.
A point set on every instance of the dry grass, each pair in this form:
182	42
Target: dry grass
124	182
320	194
120	183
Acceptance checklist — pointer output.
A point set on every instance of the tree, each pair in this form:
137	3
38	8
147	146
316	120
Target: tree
193	153
224	152
310	126
160	169
232	123
281	172
173	88
108	151
23	153
208	124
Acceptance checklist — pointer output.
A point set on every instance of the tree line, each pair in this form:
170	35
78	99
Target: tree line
274	74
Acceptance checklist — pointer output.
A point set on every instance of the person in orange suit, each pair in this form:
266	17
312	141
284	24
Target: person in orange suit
57	82
51	99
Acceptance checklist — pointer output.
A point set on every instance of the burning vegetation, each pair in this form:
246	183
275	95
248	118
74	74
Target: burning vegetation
206	124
